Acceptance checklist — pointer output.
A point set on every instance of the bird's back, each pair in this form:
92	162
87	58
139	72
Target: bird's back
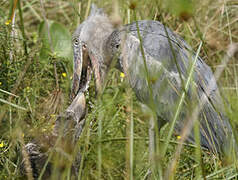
169	58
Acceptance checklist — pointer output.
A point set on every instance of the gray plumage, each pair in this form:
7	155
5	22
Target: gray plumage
166	82
162	50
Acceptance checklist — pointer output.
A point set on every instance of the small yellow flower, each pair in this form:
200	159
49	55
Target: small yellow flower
52	126
8	22
0	83
35	37
54	55
52	115
71	77
64	74
28	89
178	137
122	75
23	135
2	144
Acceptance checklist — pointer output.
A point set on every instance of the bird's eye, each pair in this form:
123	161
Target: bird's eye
84	46
76	42
117	46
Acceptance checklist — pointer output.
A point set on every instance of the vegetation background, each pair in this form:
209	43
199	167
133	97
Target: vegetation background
36	74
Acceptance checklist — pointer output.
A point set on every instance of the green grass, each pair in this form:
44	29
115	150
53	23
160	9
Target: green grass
115	140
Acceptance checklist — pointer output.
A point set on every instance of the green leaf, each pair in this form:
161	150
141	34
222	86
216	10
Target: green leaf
56	40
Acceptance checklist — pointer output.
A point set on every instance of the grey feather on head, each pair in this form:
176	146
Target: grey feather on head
96	11
89	41
95	29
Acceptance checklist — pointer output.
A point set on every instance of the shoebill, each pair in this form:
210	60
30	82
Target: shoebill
148	47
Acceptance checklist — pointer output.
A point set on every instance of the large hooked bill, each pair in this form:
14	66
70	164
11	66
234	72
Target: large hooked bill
84	64
82	72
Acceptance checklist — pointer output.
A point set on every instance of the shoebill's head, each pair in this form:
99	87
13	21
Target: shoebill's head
89	43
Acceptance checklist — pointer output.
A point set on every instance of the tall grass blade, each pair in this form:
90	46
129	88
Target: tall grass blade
11	104
181	100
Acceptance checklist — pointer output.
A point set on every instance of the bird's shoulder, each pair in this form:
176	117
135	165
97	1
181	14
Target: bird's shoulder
154	31
163	45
